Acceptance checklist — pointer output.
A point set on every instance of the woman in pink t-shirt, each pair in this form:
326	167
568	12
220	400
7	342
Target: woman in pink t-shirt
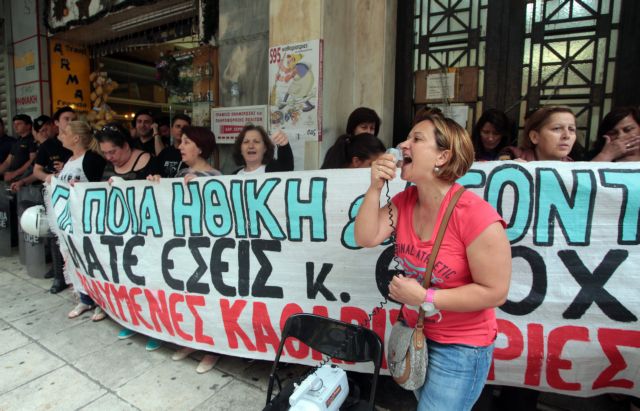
473	267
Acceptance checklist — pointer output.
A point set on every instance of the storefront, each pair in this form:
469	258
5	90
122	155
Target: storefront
110	59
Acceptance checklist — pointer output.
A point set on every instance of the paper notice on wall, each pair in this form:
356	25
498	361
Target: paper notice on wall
441	86
227	123
458	112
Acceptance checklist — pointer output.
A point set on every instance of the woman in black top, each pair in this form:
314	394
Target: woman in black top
491	134
254	151
125	161
128	163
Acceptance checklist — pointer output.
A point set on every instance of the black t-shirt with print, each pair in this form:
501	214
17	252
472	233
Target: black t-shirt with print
170	162
50	151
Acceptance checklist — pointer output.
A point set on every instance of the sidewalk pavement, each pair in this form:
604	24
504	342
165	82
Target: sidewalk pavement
49	362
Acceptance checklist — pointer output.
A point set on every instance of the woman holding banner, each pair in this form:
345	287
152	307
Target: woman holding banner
619	140
196	146
461	325
549	135
254	151
84	165
127	163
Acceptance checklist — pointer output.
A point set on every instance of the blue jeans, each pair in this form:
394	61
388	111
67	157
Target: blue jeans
455	376
85	299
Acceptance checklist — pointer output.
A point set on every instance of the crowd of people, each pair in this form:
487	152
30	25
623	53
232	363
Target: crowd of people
435	154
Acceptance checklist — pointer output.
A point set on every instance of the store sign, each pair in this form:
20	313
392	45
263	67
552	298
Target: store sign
227	123
26	60
70	70
28	99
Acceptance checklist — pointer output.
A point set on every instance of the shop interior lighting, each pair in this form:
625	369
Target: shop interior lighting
151	17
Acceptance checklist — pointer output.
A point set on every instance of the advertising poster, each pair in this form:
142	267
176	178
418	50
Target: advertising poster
227	123
295	94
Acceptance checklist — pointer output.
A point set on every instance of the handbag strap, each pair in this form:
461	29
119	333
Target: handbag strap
436	248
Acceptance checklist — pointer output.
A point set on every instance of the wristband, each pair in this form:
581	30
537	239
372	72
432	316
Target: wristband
428	297
428	305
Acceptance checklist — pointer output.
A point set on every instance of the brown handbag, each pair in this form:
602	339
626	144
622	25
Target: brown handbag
407	356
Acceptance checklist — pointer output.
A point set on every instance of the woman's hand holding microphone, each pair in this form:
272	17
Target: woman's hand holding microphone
384	167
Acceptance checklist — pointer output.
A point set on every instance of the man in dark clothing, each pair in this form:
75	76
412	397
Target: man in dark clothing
51	154
6	142
143	136
169	158
49	161
50	157
62	117
23	150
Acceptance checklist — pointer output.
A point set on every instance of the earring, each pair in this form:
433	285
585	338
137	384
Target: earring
436	170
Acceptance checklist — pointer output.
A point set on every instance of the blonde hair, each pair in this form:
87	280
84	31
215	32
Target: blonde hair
83	130
538	119
451	136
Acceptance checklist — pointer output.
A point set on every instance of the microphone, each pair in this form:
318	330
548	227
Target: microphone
397	154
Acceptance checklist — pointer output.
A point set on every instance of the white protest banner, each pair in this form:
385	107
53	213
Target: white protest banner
220	263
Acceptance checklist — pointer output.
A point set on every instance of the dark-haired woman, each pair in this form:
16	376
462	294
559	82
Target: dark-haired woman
491	134
618	136
363	120
125	161
196	146
254	151
128	163
353	152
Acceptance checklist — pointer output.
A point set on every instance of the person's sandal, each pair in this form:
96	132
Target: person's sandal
78	310
182	353
98	315
207	363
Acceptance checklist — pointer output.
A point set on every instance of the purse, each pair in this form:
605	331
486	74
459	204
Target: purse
407	355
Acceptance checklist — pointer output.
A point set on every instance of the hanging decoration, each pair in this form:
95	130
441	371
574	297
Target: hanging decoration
102	87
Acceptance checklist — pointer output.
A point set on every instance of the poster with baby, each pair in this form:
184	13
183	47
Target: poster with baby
295	93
